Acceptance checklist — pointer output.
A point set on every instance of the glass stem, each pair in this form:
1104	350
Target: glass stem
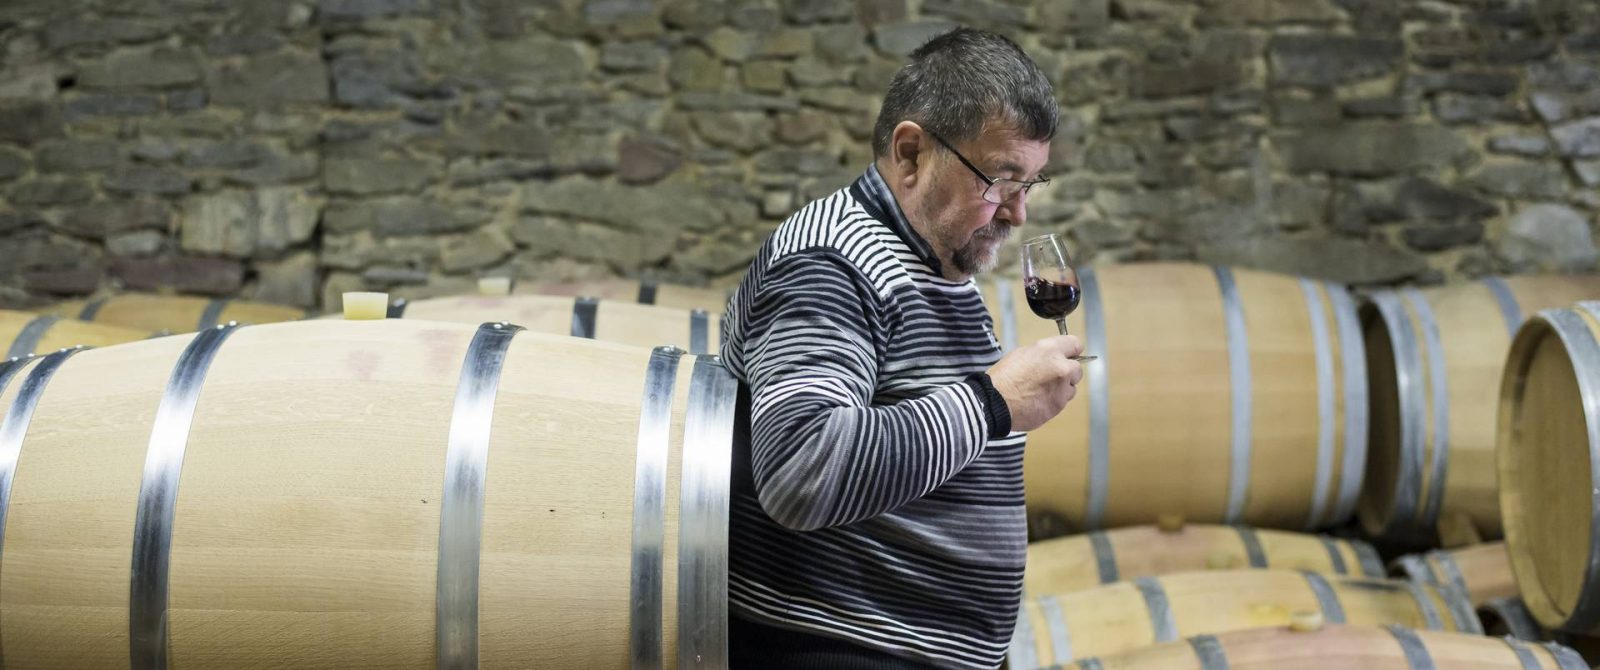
1061	324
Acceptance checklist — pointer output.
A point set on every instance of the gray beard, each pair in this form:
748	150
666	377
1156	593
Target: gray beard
969	259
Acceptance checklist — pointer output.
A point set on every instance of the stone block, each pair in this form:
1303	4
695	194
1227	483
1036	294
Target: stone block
136	180
1420	199
262	222
1521	179
642	161
662	209
1476	109
978	13
1578	139
1520	144
291	281
111	104
27	122
375	81
1386	107
285	77
765	76
693	69
1431	237
80	31
50	192
844	43
80	279
1547	237
369	176
900	39
344	11
1470	83
1267	12
184	274
1370	148
478	249
136	243
13	164
816	11
399	216
106	219
159	68
632	56
1194	76
1327	60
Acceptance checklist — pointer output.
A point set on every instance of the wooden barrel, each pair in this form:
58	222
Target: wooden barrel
696	331
1509	616
1079	562
1435	359
1342	648
1549	466
344	502
1223	395
644	292
23	333
172	313
1058	628
1482	571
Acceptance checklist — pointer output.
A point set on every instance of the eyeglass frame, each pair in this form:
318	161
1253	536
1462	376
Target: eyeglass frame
989	182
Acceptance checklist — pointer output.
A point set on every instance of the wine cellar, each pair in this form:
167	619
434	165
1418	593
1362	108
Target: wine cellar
458	334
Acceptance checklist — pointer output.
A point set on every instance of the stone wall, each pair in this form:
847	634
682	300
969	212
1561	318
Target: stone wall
288	150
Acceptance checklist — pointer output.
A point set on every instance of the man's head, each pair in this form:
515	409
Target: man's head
969	110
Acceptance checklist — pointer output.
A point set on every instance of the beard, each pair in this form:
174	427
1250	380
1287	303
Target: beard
982	251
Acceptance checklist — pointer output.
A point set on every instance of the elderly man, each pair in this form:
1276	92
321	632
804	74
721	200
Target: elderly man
877	514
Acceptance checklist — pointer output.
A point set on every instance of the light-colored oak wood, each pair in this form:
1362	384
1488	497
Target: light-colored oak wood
615	320
1168	380
1115	618
1068	564
1332	648
64	333
172	313
1545	458
1474	341
307	517
627	290
1485	570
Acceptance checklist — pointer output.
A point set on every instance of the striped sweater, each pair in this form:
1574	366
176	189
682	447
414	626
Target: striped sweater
877	491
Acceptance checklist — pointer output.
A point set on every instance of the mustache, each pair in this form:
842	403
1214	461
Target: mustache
993	231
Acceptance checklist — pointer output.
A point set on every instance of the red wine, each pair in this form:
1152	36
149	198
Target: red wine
1051	300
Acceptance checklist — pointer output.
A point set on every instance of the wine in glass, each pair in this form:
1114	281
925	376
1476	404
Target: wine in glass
1050	282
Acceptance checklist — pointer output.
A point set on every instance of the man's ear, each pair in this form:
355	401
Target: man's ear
908	152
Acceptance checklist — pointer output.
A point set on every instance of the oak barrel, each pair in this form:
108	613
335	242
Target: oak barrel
644	292
1057	628
172	313
365	494
1067	564
1549	465
1482	571
1223	395
1343	648
23	333
696	331
1435	358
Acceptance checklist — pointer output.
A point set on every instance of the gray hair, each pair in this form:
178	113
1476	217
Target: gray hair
963	79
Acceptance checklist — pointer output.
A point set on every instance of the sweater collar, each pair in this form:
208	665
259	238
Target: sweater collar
874	195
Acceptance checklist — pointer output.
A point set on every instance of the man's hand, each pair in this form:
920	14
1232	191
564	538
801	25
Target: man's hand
1038	380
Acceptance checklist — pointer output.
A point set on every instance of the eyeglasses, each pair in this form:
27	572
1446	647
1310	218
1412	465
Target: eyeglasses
998	191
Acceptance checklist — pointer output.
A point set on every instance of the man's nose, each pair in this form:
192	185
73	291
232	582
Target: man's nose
1014	211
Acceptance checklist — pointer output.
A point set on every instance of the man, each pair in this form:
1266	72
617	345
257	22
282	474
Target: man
877	516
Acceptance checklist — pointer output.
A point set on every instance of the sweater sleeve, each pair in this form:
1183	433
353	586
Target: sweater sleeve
822	454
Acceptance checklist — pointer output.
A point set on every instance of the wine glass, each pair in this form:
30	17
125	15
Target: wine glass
1050	282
